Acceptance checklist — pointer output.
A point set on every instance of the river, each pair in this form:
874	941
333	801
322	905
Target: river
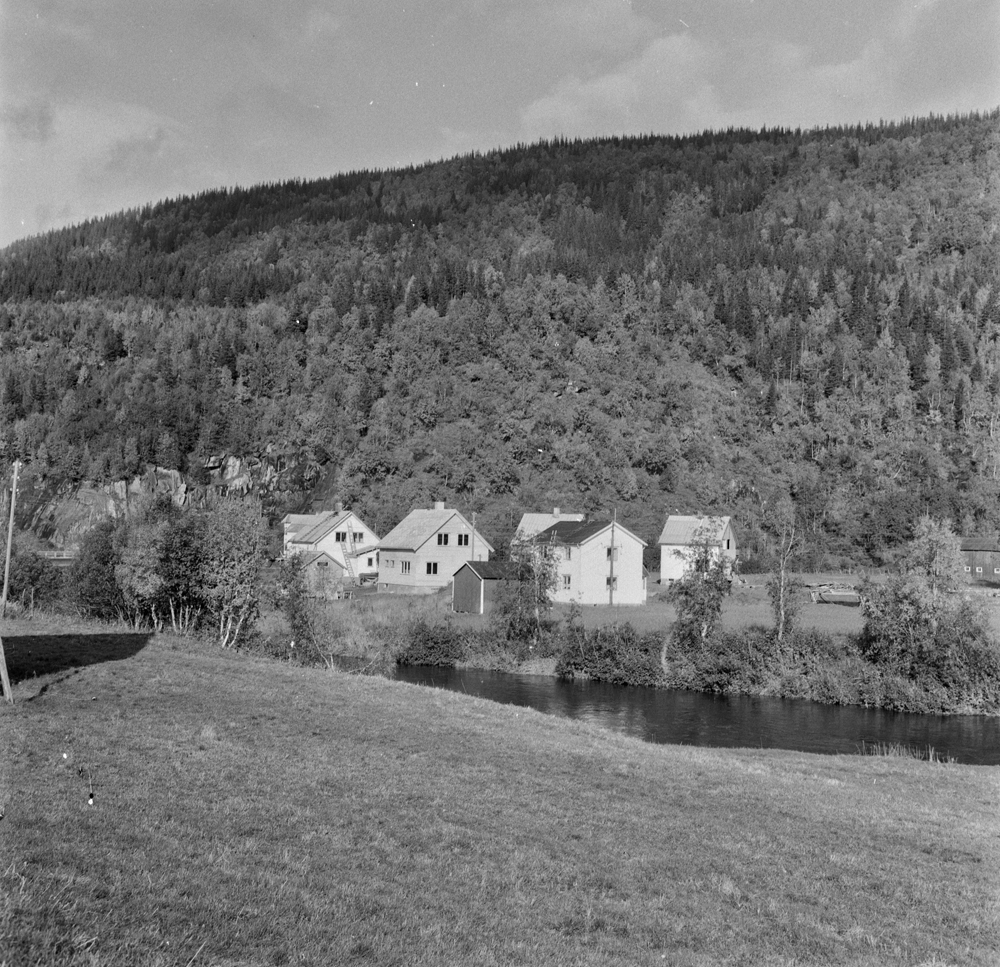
694	718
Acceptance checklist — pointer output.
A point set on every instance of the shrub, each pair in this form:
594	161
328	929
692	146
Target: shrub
91	579
616	654
34	581
431	644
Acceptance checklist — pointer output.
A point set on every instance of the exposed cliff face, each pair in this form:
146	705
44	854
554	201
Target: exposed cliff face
58	513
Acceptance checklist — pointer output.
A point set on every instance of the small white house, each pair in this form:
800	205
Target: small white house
683	535
595	562
425	549
340	534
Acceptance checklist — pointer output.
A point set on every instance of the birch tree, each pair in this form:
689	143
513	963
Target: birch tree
231	566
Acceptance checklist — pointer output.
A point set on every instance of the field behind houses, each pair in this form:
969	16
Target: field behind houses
252	812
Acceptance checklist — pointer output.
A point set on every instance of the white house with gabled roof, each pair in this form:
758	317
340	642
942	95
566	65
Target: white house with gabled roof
683	535
341	535
425	549
594	562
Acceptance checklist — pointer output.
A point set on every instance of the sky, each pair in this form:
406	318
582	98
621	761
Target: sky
113	104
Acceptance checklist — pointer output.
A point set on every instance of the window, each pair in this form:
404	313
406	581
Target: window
432	567
613	557
371	562
463	540
727	543
979	570
566	582
404	567
322	564
358	538
996	570
611	583
967	568
340	537
569	553
442	542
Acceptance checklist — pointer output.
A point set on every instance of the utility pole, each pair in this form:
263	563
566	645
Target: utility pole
4	677
611	579
10	539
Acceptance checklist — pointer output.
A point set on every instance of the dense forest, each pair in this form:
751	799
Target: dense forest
647	325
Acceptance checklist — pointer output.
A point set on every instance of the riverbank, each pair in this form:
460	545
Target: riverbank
247	811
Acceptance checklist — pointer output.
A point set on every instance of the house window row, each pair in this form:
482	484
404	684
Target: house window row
341	537
979	570
462	540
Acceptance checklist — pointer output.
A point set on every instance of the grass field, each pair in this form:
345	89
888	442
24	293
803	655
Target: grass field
251	812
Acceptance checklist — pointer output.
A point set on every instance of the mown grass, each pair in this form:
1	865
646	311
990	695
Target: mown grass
251	812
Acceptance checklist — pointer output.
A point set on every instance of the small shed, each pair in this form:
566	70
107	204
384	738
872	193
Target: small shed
982	559
324	575
474	586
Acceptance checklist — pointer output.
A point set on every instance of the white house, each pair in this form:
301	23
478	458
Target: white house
425	549
532	524
340	534
681	537
595	562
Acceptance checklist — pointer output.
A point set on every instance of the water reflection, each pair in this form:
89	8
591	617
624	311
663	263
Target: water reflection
692	718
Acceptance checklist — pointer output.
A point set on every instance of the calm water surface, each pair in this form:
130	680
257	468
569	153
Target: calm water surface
692	718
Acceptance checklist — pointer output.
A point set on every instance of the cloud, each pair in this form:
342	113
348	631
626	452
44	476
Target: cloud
28	122
688	82
128	158
668	88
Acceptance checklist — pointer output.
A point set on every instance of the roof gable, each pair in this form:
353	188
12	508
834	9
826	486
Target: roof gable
686	530
579	532
487	570
329	521
980	544
532	524
420	525
317	557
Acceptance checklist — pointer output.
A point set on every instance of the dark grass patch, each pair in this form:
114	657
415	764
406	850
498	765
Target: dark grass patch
30	656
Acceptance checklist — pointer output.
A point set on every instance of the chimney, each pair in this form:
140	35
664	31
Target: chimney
338	507
555	511
439	505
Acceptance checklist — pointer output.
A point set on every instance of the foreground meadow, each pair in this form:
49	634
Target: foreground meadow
252	812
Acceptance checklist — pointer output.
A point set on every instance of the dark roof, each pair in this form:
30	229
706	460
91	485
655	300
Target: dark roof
571	531
578	532
487	570
981	544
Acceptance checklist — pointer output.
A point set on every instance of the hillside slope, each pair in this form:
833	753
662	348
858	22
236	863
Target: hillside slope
647	325
252	813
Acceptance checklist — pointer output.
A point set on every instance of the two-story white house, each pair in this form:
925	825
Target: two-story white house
595	562
349	543
682	538
425	549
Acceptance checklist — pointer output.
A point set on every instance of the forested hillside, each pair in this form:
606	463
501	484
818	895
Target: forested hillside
649	325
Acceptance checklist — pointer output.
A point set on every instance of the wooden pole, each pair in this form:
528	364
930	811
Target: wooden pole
4	677
10	540
611	580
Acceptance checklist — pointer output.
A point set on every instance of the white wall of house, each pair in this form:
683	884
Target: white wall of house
349	533
588	567
431	566
675	559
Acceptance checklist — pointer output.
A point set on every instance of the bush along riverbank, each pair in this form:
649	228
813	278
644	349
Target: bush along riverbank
952	667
